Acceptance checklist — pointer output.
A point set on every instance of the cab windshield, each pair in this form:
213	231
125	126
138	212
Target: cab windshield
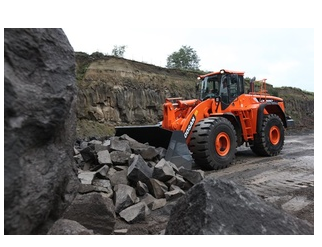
226	86
210	87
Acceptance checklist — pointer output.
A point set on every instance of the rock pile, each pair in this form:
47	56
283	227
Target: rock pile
121	177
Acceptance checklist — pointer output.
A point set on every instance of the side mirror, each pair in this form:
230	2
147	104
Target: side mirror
253	79
251	84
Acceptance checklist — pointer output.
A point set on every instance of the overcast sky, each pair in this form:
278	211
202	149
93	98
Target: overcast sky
284	56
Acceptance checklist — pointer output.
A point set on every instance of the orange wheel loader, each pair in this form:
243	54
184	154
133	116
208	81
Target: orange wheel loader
207	130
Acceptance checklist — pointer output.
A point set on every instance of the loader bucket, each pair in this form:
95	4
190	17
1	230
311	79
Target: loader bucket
174	141
178	152
153	134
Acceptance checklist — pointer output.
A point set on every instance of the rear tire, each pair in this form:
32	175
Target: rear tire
213	143
270	139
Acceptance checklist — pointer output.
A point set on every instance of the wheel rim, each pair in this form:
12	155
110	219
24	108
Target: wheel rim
274	135
222	144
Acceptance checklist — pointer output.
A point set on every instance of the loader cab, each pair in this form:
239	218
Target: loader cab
226	86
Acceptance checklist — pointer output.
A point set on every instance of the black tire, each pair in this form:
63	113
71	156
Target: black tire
206	133
270	139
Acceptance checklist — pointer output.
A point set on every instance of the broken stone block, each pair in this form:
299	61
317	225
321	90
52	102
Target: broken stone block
88	154
148	199
193	176
120	157
98	185
179	181
86	188
86	177
95	142
103	157
135	213
83	145
163	171
119	145
103	185
139	170
125	196
141	188
86	166
132	142
102	172
174	167
100	147
147	153
76	152
151	163
171	181
158	203
78	158
174	193
161	152
118	177
157	188
106	143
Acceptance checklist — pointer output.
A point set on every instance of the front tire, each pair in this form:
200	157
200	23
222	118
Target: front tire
270	139
213	143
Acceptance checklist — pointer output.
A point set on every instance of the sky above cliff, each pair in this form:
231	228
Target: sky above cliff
276	40
284	56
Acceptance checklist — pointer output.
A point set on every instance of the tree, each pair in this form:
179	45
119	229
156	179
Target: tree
118	51
185	58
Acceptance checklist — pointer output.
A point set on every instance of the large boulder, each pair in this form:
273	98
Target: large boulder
40	92
223	207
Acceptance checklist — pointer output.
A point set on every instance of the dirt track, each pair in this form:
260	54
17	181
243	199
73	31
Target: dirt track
287	181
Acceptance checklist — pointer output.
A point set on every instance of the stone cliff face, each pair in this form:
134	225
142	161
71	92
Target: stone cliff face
300	105
116	91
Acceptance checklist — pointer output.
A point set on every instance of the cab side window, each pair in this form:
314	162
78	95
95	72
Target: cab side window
234	87
240	84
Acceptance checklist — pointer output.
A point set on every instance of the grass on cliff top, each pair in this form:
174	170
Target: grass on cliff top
87	128
294	93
